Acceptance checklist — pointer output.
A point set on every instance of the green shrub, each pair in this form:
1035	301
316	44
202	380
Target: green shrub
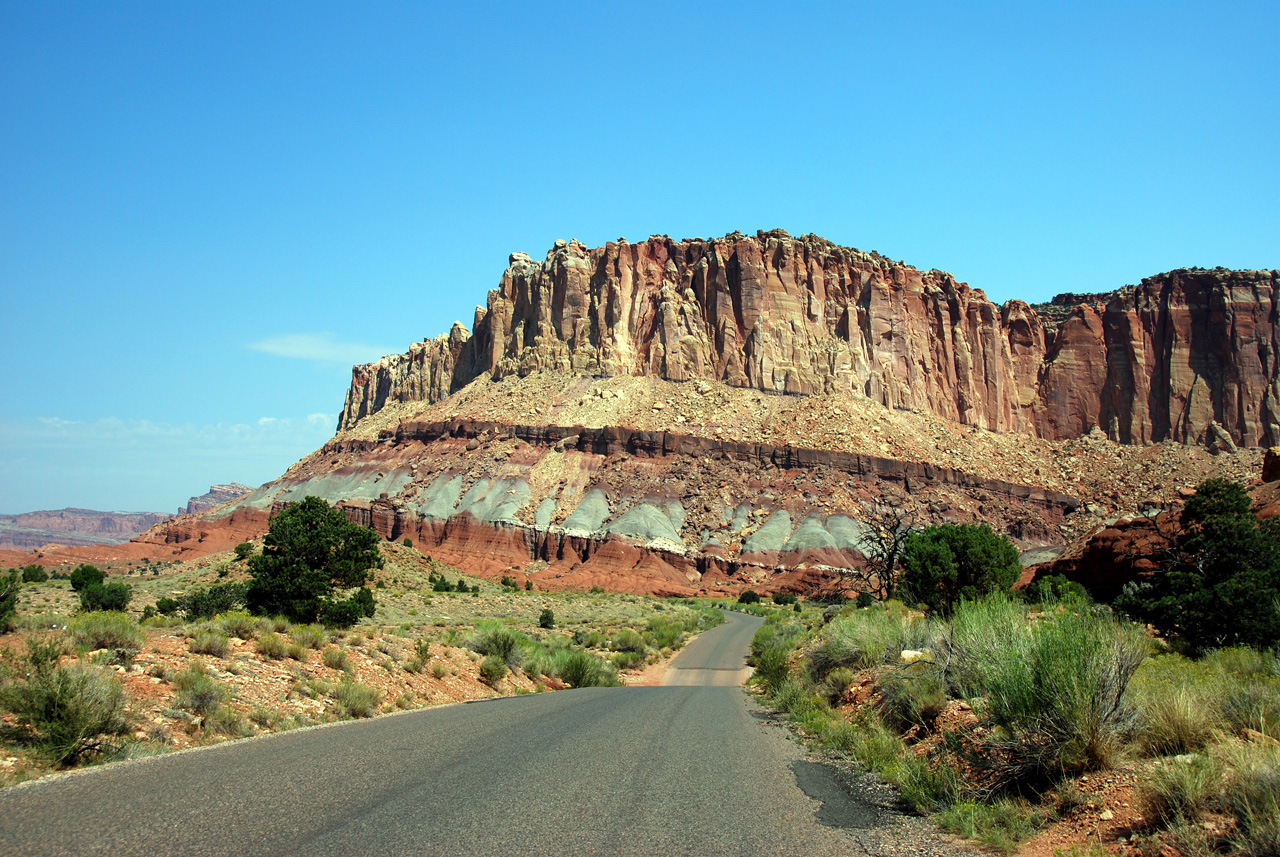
1177	721
334	658
784	599
628	640
546	619
309	636
244	550
207	641
835	683
167	606
1055	690
357	700
238	623
109	596
198	692
493	669
272	646
34	574
666	633
1253	797
109	630
583	669
86	575
866	638
68	713
912	695
628	660
948	563
344	614
408	542
749	596
1055	588
1180	788
207	602
438	669
495	639
1001	824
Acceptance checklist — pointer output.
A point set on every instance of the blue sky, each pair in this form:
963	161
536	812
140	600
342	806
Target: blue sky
208	212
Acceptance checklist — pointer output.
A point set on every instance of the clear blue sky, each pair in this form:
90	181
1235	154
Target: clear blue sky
209	211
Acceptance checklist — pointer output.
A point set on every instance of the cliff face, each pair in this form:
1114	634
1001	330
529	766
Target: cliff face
215	496
73	527
1166	359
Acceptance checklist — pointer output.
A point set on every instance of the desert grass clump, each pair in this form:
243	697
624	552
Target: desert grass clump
583	669
628	640
271	645
1000	824
1178	789
628	660
493	639
68	713
334	658
238	623
865	638
110	630
912	695
308	636
493	669
438	670
198	692
356	700
207	641
1054	691
1253	797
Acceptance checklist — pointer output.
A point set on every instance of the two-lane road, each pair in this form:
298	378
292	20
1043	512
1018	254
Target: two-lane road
609	771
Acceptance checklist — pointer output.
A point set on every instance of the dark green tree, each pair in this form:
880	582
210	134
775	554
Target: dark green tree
9	585
244	550
86	575
1219	583
310	551
34	574
947	563
105	596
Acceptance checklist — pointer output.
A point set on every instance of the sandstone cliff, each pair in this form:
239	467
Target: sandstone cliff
1189	355
73	527
215	496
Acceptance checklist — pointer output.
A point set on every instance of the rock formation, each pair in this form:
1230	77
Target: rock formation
73	527
694	416
1189	355
215	496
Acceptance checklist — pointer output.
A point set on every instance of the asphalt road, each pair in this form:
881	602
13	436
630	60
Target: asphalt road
683	769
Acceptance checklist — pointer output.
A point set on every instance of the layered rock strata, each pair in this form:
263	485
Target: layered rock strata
1189	355
657	512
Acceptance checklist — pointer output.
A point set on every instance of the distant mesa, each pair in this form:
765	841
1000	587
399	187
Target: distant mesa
215	496
74	527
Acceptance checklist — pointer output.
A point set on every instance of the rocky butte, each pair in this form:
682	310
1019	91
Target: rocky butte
700	415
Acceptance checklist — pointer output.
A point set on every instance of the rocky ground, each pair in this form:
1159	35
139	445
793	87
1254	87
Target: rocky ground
1115	478
300	687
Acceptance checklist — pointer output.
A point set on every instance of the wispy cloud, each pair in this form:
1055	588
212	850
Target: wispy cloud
320	347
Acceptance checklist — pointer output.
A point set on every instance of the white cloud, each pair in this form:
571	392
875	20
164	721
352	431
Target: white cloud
320	347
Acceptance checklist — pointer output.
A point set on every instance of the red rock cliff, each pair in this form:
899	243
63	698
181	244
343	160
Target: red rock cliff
1169	358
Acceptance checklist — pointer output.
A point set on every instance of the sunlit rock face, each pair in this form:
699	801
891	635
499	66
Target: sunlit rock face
1167	359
